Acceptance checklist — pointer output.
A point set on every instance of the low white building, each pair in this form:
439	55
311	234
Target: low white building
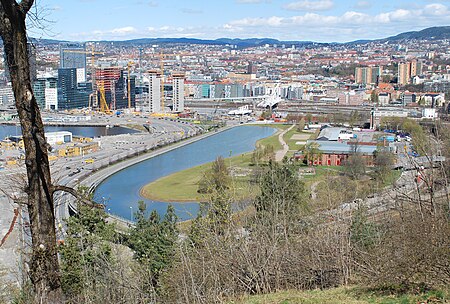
429	113
384	98
378	114
54	138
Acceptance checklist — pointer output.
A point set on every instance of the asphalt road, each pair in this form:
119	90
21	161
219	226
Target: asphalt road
69	172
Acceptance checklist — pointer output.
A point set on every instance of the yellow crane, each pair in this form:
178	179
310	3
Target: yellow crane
103	104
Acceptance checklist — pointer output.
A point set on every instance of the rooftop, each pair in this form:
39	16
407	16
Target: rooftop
332	147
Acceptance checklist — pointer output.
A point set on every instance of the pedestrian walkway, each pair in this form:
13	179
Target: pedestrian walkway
280	154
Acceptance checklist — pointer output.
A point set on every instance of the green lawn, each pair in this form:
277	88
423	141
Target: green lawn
272	140
182	186
342	295
178	187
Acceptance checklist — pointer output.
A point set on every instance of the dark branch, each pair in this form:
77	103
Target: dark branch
25	6
76	194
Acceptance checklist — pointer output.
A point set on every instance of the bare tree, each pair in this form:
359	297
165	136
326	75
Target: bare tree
44	268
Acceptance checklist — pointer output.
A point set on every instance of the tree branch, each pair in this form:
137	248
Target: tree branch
75	193
25	6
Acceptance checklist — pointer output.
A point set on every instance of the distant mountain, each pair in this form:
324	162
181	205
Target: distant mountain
431	33
250	42
166	41
45	41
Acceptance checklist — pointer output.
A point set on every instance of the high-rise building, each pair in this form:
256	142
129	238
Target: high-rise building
178	92
404	73
46	93
116	87
72	94
154	92
6	95
252	69
416	68
73	55
407	70
367	75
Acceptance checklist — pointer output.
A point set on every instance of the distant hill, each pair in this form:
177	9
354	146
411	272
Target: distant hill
432	33
250	42
166	41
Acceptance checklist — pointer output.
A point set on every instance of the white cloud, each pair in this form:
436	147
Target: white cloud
112	34
252	1
363	5
175	32
123	30
148	3
310	5
435	9
350	25
314	26
271	21
191	11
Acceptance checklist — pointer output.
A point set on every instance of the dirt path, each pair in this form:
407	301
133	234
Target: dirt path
281	153
314	189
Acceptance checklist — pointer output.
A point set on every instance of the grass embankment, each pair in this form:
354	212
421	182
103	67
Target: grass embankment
342	295
182	186
272	140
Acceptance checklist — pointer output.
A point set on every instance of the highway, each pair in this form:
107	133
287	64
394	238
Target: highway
73	171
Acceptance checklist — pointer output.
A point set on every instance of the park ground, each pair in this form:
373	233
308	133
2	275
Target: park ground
182	186
345	295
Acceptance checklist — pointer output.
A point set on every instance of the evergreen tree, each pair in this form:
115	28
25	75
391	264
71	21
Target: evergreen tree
153	241
281	201
86	248
217	178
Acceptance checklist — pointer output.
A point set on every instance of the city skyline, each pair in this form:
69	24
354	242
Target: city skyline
305	20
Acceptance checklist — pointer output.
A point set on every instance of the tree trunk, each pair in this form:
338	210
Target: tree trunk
44	268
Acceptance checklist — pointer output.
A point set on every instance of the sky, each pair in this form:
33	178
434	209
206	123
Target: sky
304	20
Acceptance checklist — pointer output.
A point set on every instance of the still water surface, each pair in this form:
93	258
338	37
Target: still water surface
7	130
120	191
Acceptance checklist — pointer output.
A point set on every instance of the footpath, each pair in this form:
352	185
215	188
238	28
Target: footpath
280	154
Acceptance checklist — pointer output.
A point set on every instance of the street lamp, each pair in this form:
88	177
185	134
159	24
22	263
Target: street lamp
131	213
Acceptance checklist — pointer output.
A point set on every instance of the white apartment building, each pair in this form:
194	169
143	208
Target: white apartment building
178	92
51	98
154	92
